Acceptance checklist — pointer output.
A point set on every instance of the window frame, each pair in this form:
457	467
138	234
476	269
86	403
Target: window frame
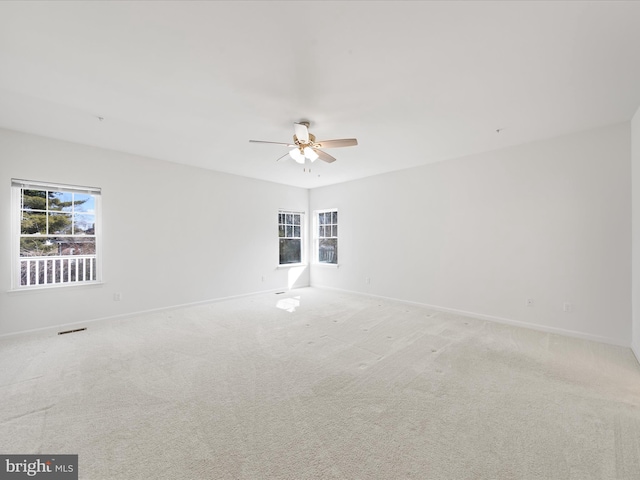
302	237
317	237
17	188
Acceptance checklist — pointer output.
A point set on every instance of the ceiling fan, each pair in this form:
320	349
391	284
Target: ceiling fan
305	146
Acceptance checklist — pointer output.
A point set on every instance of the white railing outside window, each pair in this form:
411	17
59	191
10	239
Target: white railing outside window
50	270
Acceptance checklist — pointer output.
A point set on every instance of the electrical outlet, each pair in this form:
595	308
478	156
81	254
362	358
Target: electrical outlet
529	302
117	297
367	280
567	307
263	278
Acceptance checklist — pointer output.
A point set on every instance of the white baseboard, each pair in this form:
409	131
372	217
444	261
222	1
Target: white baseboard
491	318
636	351
55	329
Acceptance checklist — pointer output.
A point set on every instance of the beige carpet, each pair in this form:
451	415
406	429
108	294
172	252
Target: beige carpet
314	384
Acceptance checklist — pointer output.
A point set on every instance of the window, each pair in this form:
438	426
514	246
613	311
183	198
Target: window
327	236
290	230
56	239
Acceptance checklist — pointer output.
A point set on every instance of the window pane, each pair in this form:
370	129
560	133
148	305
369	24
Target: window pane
321	231
289	219
290	251
321	218
296	219
334	217
84	223
281	230
75	245
84	203
328	251
60	223
33	223
296	232
334	231
37	247
60	201
289	231
57	246
34	200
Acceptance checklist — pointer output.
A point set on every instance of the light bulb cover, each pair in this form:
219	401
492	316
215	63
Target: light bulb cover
297	155
310	154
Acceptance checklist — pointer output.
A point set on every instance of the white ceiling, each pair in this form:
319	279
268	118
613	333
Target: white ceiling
415	82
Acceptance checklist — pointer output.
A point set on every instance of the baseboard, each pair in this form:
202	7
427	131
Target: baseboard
53	330
491	318
636	351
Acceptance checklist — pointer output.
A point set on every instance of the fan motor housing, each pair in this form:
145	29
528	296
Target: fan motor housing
312	139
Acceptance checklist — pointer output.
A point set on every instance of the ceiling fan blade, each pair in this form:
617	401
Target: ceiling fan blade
325	157
275	143
283	156
302	132
343	142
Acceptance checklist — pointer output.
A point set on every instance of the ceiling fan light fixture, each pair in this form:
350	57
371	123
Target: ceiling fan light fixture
305	147
310	154
297	155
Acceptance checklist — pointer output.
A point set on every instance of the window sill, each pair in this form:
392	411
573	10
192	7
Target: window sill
292	265
326	265
45	288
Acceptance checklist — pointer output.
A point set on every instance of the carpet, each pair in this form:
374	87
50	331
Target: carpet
317	384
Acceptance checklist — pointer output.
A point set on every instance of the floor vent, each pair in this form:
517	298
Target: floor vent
72	331
279	293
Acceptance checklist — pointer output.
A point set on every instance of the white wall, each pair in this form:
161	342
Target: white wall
635	160
549	221
481	234
172	234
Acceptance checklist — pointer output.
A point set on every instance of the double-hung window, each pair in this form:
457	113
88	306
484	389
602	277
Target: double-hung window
56	234
290	233
326	227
